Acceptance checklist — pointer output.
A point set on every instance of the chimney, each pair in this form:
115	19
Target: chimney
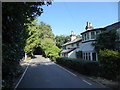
72	36
89	26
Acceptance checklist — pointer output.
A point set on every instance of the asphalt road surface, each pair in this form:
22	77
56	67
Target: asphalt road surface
42	73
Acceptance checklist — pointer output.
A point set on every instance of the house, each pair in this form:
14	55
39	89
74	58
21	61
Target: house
88	37
69	48
84	46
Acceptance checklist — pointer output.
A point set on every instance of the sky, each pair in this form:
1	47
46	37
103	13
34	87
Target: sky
64	17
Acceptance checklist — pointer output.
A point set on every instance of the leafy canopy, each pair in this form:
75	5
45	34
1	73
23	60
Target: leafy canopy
49	47
15	17
37	32
106	40
60	40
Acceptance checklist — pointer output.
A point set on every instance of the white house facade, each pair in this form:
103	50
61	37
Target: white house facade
84	46
69	48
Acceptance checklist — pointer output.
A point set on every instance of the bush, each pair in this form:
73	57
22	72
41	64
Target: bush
53	58
82	66
110	63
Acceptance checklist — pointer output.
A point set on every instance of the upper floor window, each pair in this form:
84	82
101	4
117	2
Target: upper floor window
64	47
88	36
85	37
77	44
97	32
92	35
82	37
72	45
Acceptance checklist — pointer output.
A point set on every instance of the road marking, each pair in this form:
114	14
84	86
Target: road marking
22	76
65	69
87	82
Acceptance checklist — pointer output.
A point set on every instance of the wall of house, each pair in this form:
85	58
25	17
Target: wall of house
72	54
68	46
73	45
88	52
64	55
86	46
90	35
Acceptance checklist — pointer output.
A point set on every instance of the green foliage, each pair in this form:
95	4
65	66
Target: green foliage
36	34
106	40
60	40
110	63
46	31
82	66
15	16
51	50
78	36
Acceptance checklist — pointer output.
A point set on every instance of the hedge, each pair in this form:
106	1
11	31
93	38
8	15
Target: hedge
82	66
109	64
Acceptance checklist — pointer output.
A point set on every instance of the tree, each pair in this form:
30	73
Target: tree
15	33
78	36
106	40
46	31
60	40
36	34
51	50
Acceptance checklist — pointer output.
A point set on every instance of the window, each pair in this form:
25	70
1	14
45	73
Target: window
85	36
94	56
72	45
89	56
64	47
97	32
92	35
82	37
77	44
86	57
88	36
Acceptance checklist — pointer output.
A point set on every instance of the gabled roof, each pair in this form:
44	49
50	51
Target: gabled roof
74	41
93	30
115	24
67	50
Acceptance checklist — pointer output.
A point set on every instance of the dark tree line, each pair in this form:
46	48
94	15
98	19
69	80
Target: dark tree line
15	33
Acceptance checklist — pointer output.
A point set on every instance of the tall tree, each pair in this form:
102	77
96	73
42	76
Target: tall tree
51	50
46	31
36	34
15	33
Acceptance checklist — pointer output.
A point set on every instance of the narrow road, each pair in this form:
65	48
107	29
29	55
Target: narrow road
42	73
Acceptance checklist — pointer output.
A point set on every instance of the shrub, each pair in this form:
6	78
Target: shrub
110	63
82	66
